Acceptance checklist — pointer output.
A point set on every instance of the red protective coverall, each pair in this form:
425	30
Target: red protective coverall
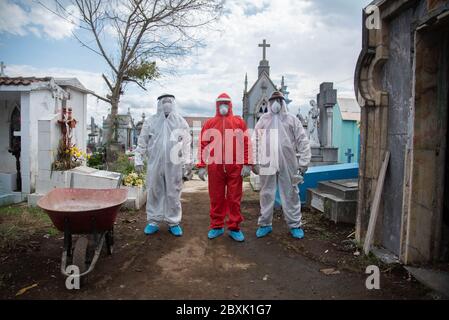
224	170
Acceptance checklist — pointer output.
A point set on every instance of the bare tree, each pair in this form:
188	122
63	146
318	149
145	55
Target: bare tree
131	35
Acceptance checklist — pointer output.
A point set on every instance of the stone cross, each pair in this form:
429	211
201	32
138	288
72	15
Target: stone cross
349	154
264	45
2	69
326	99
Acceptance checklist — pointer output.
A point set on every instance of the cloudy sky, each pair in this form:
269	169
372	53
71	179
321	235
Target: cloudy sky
312	41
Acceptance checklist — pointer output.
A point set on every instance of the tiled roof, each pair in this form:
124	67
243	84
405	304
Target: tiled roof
21	81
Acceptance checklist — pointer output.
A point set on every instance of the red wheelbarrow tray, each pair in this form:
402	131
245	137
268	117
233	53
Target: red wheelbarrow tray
83	211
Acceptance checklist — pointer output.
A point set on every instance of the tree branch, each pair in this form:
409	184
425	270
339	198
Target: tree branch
100	97
135	81
108	83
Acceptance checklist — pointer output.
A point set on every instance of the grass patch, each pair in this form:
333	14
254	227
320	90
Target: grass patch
20	222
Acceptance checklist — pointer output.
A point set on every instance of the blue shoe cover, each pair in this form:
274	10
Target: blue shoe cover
215	233
237	236
264	231
151	229
297	233
176	231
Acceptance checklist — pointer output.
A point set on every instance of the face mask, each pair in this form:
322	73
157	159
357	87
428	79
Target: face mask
168	107
276	107
223	109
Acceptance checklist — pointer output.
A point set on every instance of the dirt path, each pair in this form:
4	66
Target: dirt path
192	267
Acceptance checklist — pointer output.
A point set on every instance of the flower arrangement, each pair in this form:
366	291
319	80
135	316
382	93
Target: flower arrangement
134	180
69	158
77	154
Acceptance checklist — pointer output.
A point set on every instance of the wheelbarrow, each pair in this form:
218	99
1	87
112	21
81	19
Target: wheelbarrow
86	212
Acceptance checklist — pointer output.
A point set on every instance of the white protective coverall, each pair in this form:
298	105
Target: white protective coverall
291	151
166	143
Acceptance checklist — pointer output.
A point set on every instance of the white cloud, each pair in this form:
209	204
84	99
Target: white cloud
311	42
28	16
12	18
308	45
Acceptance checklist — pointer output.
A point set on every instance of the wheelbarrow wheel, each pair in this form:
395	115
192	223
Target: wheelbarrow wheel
110	242
80	256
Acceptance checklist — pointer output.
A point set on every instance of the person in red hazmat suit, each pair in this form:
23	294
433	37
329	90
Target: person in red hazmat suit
223	157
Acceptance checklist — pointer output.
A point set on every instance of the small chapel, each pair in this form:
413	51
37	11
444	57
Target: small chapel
255	100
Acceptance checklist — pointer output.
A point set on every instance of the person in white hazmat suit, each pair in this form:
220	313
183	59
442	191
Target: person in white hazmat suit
282	154
165	142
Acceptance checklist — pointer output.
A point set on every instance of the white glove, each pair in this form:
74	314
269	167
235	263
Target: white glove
202	174
256	169
297	179
246	171
139	168
187	171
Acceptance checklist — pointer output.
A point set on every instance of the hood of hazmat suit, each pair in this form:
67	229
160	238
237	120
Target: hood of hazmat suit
224	149
165	142
280	147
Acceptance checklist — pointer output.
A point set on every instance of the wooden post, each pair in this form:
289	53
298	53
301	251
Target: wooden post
375	205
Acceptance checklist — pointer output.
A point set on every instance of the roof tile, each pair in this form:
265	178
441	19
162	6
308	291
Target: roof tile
24	81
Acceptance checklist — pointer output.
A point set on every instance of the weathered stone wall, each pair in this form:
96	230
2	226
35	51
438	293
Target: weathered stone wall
398	82
402	84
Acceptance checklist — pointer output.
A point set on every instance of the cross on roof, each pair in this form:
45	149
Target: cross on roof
2	68
349	154
264	45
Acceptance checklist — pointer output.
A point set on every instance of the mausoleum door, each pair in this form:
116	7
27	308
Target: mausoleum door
15	142
427	219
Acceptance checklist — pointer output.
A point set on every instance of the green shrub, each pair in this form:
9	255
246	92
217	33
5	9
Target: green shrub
123	165
96	160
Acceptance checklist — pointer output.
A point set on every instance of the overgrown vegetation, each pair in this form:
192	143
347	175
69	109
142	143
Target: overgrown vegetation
124	165
19	222
97	160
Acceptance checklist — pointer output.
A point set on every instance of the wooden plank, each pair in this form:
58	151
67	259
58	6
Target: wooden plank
375	205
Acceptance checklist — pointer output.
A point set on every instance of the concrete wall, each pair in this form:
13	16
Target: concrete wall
78	102
42	104
49	135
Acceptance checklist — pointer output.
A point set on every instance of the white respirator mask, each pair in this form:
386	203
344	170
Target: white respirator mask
276	107
167	105
223	109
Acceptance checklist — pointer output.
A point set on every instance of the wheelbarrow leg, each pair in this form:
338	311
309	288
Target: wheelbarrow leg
67	252
67	238
110	241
